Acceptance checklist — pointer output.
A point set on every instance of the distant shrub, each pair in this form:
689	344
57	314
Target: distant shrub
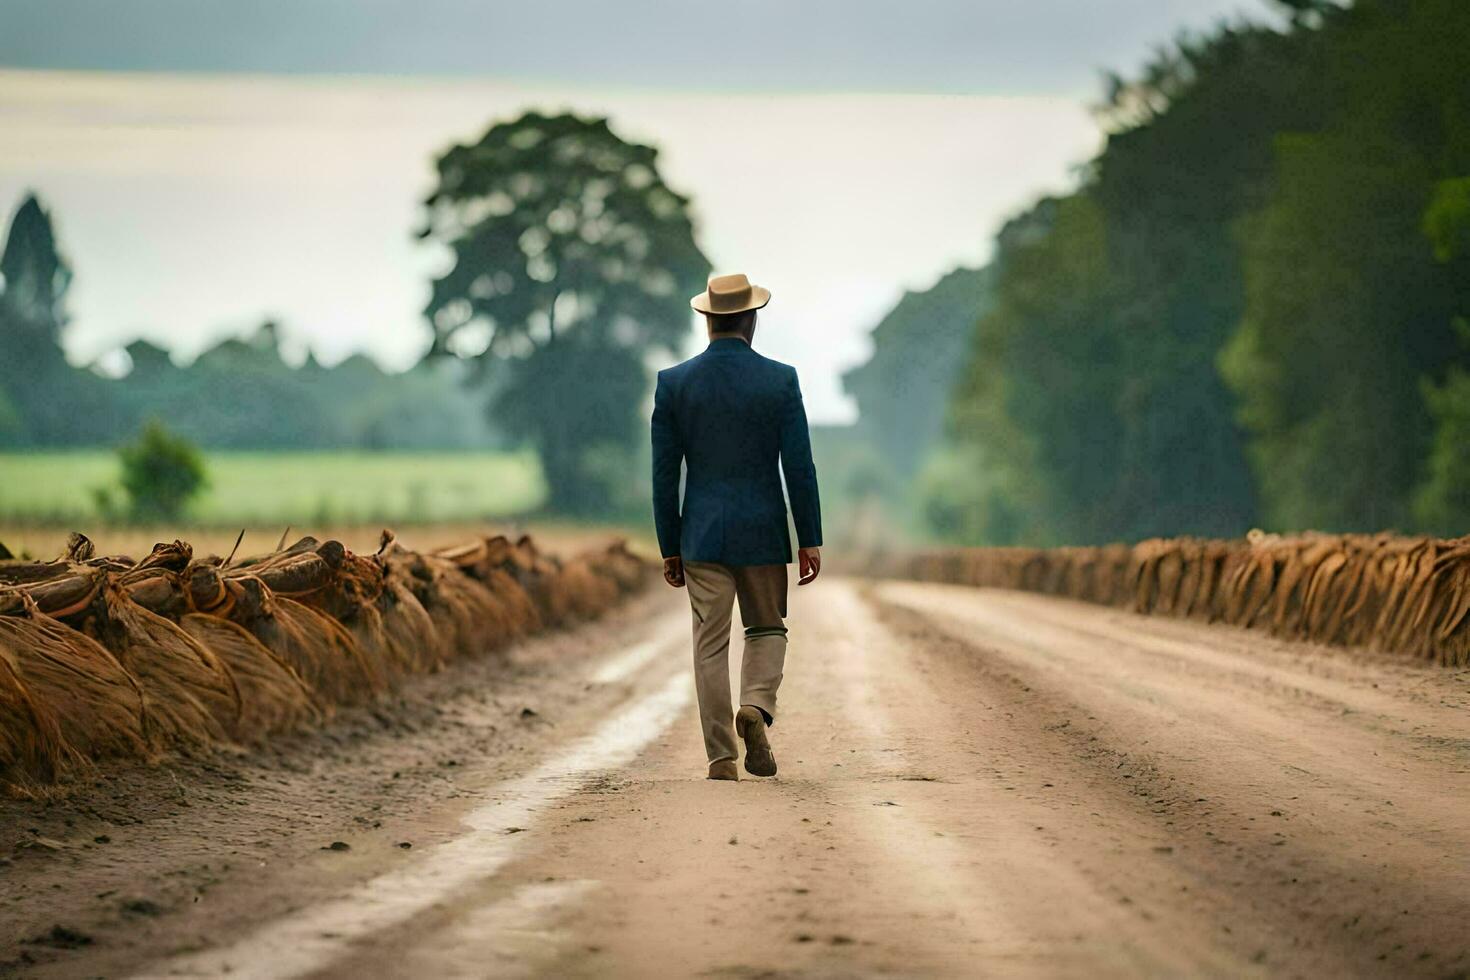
161	473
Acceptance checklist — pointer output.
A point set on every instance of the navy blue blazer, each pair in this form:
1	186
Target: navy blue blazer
737	420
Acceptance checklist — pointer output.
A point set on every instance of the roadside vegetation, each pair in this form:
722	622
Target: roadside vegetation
280	488
1252	312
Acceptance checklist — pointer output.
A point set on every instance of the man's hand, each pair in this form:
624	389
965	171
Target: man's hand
674	571
808	564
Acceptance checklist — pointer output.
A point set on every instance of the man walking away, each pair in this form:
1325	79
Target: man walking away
736	421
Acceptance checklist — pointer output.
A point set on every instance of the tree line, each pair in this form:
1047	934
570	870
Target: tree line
570	266
240	394
1253	311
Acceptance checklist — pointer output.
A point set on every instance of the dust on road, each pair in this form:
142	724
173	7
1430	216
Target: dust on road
972	782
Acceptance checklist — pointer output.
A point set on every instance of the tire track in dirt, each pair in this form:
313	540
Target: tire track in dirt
1341	832
898	839
313	938
1010	861
971	783
195	854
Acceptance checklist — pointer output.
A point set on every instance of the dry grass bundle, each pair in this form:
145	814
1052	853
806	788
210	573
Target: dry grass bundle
408	626
104	657
317	647
31	746
470	618
584	592
190	696
66	591
502	569
76	684
273	697
536	573
300	571
616	563
355	592
1409	596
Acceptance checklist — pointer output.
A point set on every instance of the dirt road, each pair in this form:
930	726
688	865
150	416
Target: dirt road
972	783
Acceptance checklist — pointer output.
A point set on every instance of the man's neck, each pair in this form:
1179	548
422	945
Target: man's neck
729	336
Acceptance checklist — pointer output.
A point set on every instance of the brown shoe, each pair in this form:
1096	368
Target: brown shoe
724	769
750	725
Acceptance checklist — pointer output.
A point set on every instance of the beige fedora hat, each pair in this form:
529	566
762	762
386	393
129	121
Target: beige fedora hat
730	294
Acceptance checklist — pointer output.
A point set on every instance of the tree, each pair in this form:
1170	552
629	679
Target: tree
51	402
572	261
1038	406
1442	504
919	351
1092	396
1343	320
1170	187
32	311
161	473
1346	359
35	276
1247	308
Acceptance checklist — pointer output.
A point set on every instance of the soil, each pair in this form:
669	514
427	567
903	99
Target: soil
971	782
47	541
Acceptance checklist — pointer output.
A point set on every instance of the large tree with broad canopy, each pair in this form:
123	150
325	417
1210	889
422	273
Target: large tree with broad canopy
572	262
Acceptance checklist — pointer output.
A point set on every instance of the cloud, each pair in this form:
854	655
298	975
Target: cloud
994	46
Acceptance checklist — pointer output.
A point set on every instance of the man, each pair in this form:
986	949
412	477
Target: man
736	420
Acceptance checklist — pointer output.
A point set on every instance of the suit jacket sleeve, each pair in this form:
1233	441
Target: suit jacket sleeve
800	472
668	455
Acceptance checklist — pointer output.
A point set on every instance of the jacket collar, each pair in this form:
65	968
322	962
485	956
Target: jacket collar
725	344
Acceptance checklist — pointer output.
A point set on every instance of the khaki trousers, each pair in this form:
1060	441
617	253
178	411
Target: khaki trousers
713	590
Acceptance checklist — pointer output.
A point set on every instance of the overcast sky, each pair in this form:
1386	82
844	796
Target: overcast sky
210	163
968	46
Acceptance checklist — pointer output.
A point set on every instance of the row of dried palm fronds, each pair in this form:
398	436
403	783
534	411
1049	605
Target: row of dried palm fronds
111	658
1408	596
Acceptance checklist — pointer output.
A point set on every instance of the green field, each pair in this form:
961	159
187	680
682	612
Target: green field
289	488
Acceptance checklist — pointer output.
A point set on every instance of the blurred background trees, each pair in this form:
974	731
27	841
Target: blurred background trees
1253	310
1349	310
43	401
1248	311
919	351
572	262
242	393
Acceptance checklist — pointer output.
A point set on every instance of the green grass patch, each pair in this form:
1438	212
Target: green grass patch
248	488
